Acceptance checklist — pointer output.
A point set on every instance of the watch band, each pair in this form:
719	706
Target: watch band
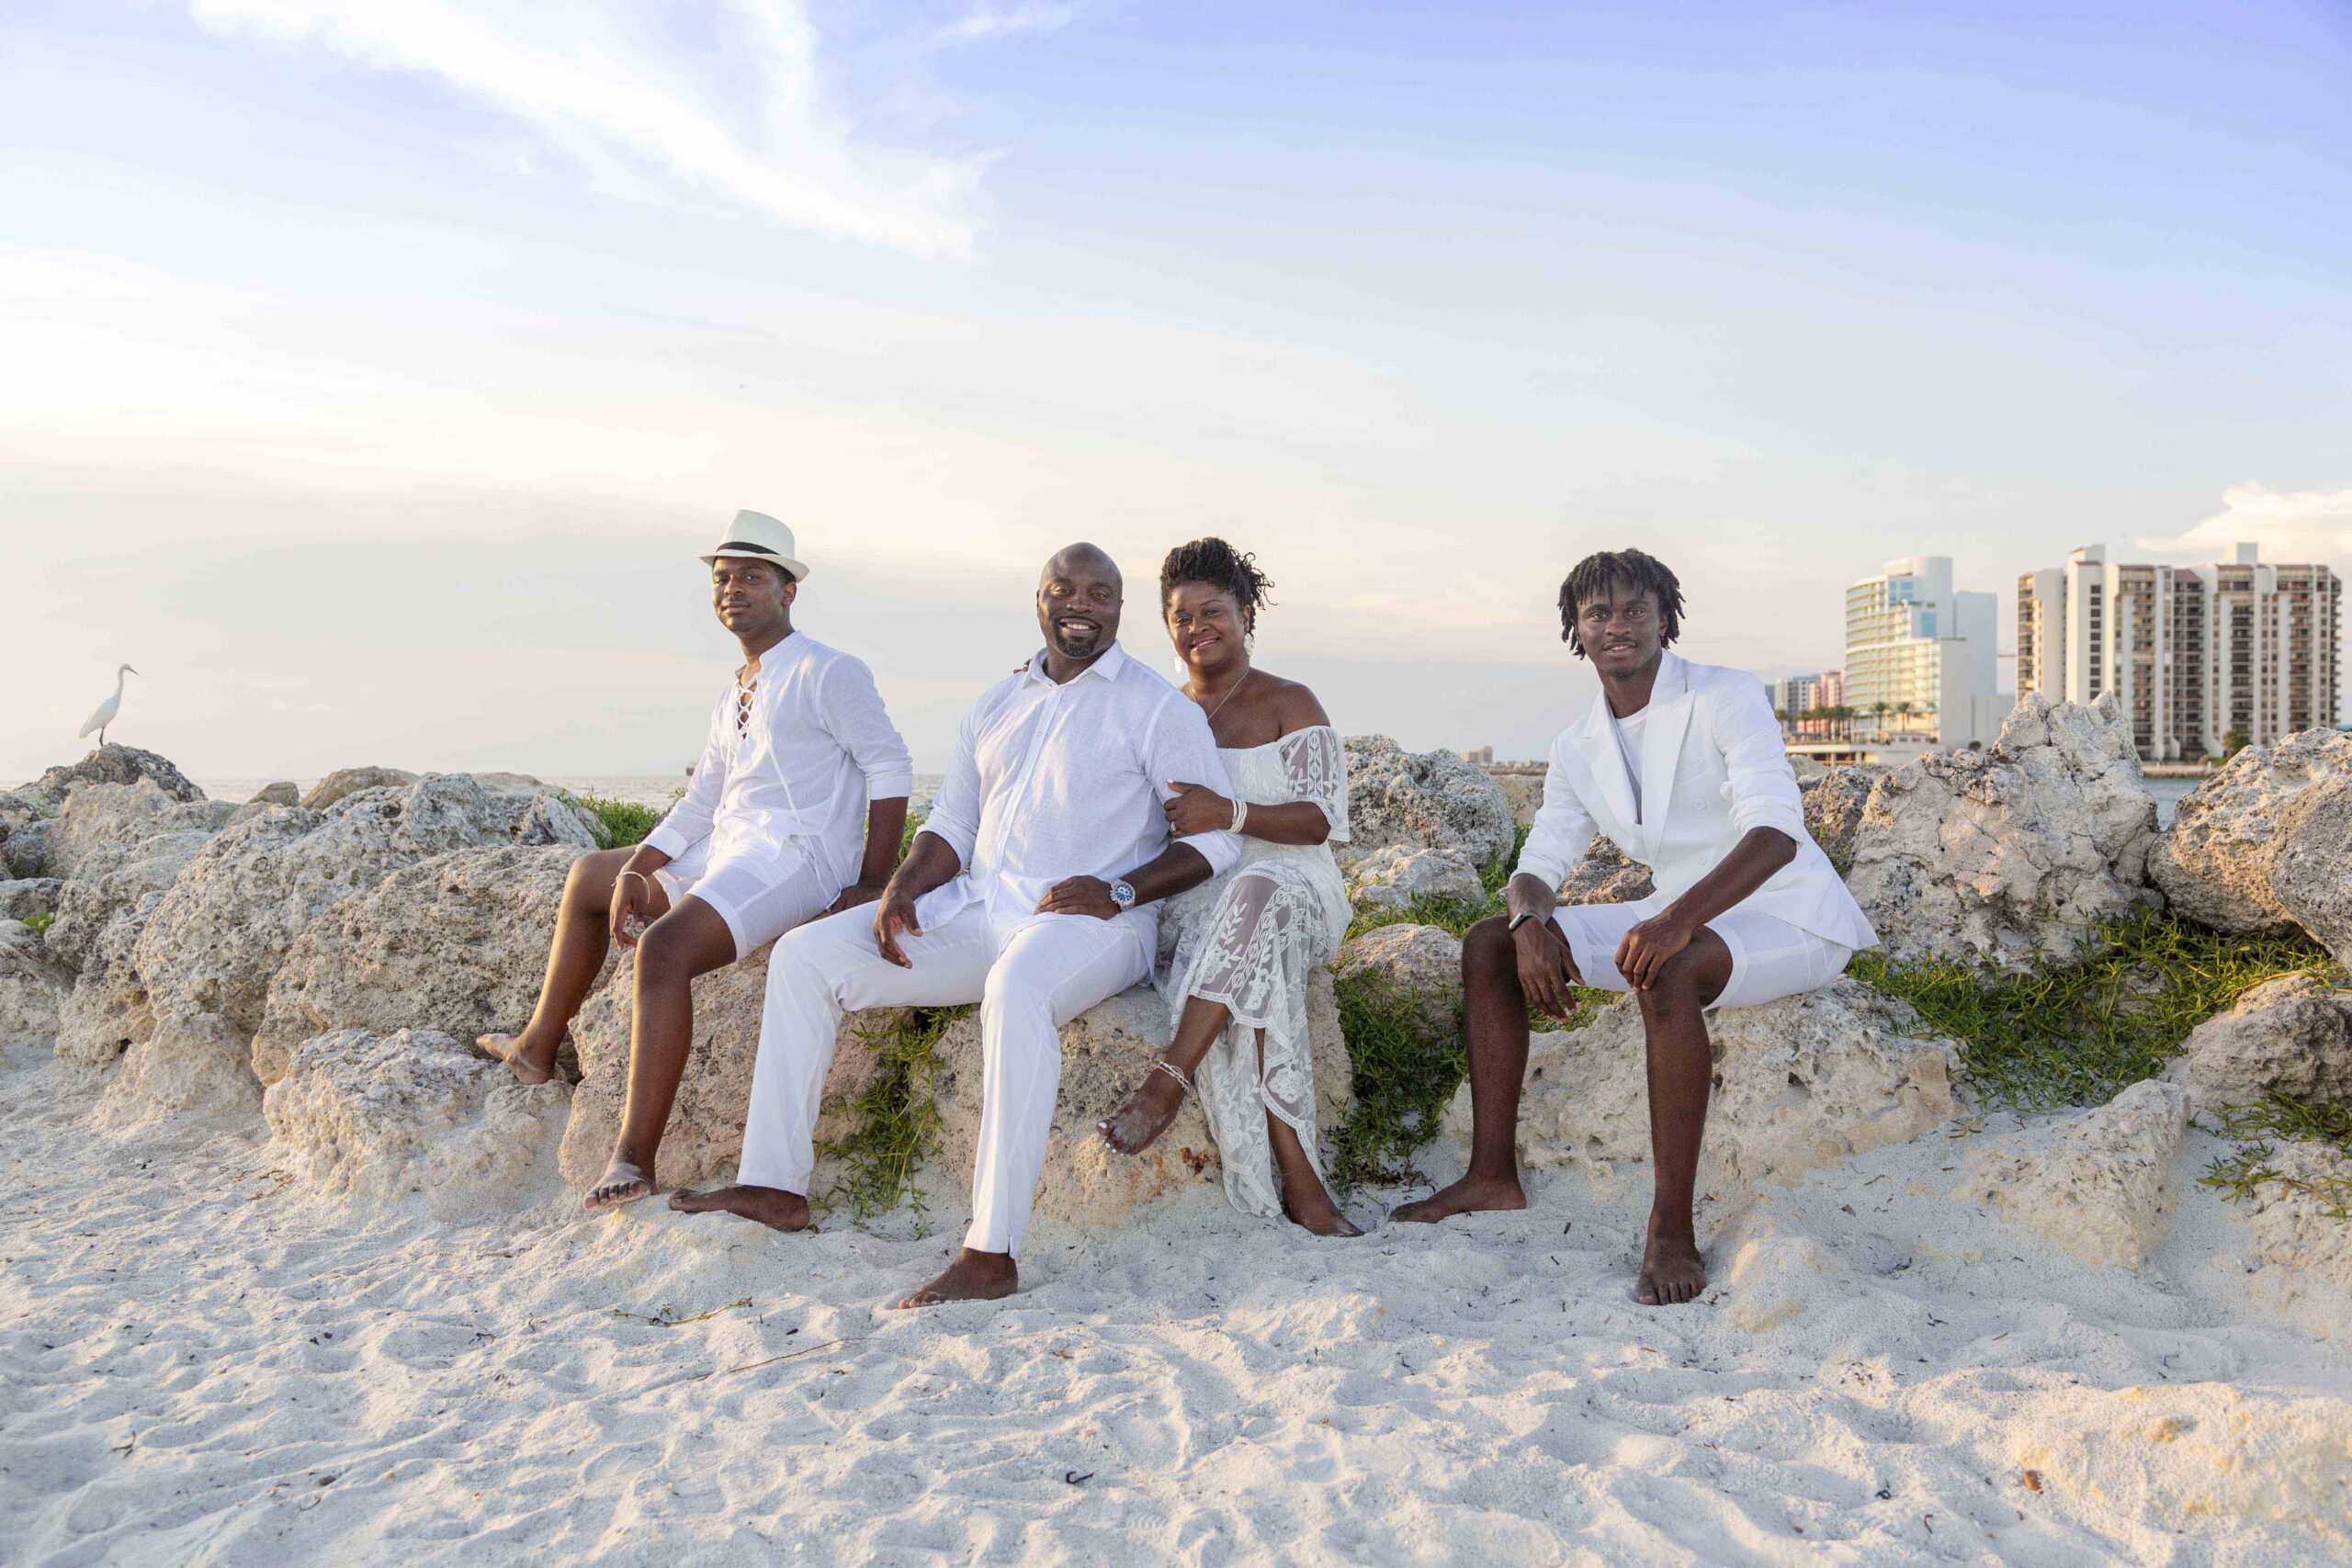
1521	919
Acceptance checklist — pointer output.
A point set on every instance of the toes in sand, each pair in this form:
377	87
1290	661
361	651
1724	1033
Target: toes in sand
772	1206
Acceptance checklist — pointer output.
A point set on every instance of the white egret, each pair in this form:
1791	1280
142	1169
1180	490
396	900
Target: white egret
107	709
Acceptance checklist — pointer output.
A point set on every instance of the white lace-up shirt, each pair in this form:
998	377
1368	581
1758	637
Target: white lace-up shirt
1051	781
797	768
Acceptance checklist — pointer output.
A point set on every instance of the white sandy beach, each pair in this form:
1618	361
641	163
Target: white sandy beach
206	1361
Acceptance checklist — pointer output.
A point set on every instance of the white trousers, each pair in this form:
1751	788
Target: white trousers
1030	977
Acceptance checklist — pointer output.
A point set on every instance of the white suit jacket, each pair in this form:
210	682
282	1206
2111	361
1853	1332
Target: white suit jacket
1713	767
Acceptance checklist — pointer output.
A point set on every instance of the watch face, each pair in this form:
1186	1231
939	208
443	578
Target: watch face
1122	894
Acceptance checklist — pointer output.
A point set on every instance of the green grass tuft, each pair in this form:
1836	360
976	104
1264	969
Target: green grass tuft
900	1120
620	823
2238	1175
2080	1033
1453	915
40	922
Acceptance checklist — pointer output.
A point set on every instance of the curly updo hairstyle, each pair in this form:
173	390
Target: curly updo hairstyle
1218	565
1595	575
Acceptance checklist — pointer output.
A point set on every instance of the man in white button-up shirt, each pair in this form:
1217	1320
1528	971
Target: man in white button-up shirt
800	765
1033	889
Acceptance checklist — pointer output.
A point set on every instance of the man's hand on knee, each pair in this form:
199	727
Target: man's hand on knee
893	916
1546	968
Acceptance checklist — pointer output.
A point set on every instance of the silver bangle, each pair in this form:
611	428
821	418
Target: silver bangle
1240	814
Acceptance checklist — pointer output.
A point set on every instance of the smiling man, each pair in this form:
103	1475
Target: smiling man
801	757
1030	890
1681	765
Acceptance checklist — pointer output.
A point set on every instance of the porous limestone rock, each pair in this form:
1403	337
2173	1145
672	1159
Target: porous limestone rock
2293	1215
706	1132
18	810
2291	1036
1800	1083
111	764
283	793
106	1013
30	988
1393	878
345	782
1833	802
2218	861
457	943
2096	1184
2312	876
25	852
2009	854
23	899
1424	800
1607	874
382	1116
228	921
1401	962
1524	793
191	1062
1107	1051
118	847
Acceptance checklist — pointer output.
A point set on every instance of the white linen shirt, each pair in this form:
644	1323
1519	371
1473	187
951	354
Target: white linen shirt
1055	781
790	783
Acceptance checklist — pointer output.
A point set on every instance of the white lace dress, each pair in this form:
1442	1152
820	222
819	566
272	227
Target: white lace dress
1250	939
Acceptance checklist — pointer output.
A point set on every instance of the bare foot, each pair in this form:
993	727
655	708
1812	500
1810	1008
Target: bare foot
623	1182
772	1206
1470	1195
1672	1272
973	1277
1314	1211
1147	1113
521	1059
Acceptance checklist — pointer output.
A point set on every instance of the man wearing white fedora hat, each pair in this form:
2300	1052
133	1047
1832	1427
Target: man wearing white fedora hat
801	757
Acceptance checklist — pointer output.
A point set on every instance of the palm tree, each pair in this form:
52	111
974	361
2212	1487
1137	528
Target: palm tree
1903	711
1877	716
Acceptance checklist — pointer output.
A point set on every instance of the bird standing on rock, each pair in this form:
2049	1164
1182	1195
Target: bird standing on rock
107	709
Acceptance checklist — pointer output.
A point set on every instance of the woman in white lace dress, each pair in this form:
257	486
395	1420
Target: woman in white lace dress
1235	952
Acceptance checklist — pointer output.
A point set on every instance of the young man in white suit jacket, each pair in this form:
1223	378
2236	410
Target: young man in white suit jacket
1681	765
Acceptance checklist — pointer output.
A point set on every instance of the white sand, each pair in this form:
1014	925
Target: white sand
202	1361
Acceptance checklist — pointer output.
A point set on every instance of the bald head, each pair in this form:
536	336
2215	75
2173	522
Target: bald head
1078	597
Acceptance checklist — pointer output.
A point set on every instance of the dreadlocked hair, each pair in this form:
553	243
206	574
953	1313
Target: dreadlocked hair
1218	565
1595	575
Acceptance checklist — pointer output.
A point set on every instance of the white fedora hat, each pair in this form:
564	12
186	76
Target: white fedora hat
755	535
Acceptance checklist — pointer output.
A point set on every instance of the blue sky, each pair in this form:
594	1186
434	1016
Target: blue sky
377	371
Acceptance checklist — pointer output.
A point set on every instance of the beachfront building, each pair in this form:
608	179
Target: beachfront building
2202	658
1921	665
1804	701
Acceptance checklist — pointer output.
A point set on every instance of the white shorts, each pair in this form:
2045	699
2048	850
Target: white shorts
760	896
1769	957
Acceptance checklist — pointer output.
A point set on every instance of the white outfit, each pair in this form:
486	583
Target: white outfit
773	827
1712	768
1049	782
1250	939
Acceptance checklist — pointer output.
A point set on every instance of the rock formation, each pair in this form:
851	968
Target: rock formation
345	782
2219	860
383	1115
1422	800
2009	854
282	793
455	944
1105	1053
1800	1083
706	1131
1418	963
2289	1036
1835	800
2097	1185
2295	1216
30	987
1607	874
1395	877
182	1065
111	764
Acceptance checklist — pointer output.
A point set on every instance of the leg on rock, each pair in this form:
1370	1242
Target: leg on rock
1494	1021
691	940
1145	1113
574	959
973	1277
1681	1069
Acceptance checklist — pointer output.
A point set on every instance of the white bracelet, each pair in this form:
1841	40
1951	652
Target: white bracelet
1240	814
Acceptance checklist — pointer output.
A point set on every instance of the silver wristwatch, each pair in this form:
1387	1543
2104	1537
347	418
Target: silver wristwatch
1122	894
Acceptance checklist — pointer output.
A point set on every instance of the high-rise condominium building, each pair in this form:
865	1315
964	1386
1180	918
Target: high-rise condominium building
1925	653
1795	696
2200	656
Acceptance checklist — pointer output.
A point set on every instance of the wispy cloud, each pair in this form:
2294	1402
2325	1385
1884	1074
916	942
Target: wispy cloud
988	21
599	85
2289	525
